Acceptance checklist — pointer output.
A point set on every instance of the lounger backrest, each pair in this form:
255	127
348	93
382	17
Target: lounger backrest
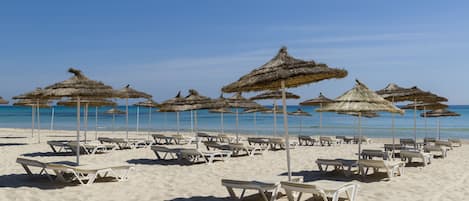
328	162
407	141
407	153
443	143
372	163
291	187
30	162
160	148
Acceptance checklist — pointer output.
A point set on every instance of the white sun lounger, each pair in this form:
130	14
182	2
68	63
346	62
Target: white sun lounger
261	187
440	150
455	142
194	155
91	148
409	155
323	189
392	168
27	163
58	145
250	150
338	164
444	144
89	173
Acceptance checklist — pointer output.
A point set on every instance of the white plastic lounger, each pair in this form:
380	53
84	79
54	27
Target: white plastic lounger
328	140
194	155
409	155
91	148
338	164
27	163
392	168
250	150
455	142
444	144
58	145
89	173
440	150
323	189
262	188
162	152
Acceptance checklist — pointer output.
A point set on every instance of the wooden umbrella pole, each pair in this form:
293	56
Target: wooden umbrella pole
138	118
149	121
439	136
255	123
33	119
415	121
221	123
195	121
113	122
38	122
320	116
126	118
275	117
86	121
359	134
52	119
177	118
285	126
393	131
96	124
237	125
78	130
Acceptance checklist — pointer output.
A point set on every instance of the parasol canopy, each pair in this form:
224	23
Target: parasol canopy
299	112
147	103
321	99
3	101
277	94
114	111
440	113
93	102
425	106
364	114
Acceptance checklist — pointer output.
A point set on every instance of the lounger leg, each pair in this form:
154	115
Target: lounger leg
91	179
26	168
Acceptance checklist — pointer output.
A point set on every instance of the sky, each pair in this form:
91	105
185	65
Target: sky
161	47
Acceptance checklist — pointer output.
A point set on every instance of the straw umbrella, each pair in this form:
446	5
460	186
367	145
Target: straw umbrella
35	109
195	102
254	111
440	113
277	94
172	105
318	101
79	86
114	111
129	92
221	111
3	101
363	114
301	114
360	100
93	102
238	101
425	106
284	71
149	104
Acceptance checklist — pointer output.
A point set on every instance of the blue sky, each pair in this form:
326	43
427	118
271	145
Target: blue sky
162	47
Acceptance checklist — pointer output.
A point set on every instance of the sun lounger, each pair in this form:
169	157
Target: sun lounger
436	150
181	139
207	136
215	145
392	168
329	140
87	174
409	155
407	142
429	140
371	153
223	138
194	155
162	152
363	139
27	163
444	144
90	148
249	150
395	147
323	189
264	189
162	139
455	142
277	143
338	164
261	141
306	140
345	139
58	145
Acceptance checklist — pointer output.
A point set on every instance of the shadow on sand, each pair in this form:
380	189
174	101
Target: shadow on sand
201	198
146	161
309	176
48	154
12	144
23	180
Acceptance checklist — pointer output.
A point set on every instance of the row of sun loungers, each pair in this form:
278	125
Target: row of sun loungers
191	155
331	140
85	174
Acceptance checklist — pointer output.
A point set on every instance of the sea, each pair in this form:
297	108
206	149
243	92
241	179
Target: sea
64	118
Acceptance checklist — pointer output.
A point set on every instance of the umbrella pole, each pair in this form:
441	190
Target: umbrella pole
255	123
285	126
393	131
149	121
221	122
237	131
320	116
359	134
33	119
38	122
113	122
177	117
126	118
78	130
138	117
195	121
86	121
52	119
425	117
165	119
438	120
415	121
96	124
301	123
275	117
192	121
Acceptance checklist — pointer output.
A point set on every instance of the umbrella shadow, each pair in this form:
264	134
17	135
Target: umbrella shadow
12	137
146	161
48	154
309	176
11	144
205	198
24	180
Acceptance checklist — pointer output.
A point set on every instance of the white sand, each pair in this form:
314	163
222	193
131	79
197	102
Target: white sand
444	179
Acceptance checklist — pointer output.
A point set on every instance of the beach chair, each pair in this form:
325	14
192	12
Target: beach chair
409	155
345	139
338	164
363	139
443	143
58	145
392	168
162	139
264	189
322	189
194	155
407	141
371	153
27	163
249	150
87	174
329	140
90	148
306	140
455	142
429	140
215	145
436	150
261	141
223	138
181	139
162	152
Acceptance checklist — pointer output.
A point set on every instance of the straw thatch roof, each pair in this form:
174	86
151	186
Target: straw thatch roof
114	111
363	114
425	106
174	104
147	103
38	93
440	113
31	102
92	102
3	101
283	67
277	94
360	99
197	101
238	101
395	93
79	86
299	112
321	99
129	92
277	109
257	109
221	110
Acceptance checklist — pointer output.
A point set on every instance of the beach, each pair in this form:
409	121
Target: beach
443	179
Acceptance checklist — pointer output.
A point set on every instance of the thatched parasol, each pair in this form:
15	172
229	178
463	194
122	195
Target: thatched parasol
238	101
173	105
440	113
79	86
301	114
284	71
318	101
114	111
360	100
3	101
363	114
93	102
129	92
277	94
149	104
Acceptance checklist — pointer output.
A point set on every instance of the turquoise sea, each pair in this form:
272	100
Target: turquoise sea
333	124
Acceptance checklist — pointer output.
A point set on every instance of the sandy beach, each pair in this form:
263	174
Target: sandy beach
443	179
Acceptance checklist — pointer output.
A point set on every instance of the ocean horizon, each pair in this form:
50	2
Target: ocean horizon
332	123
